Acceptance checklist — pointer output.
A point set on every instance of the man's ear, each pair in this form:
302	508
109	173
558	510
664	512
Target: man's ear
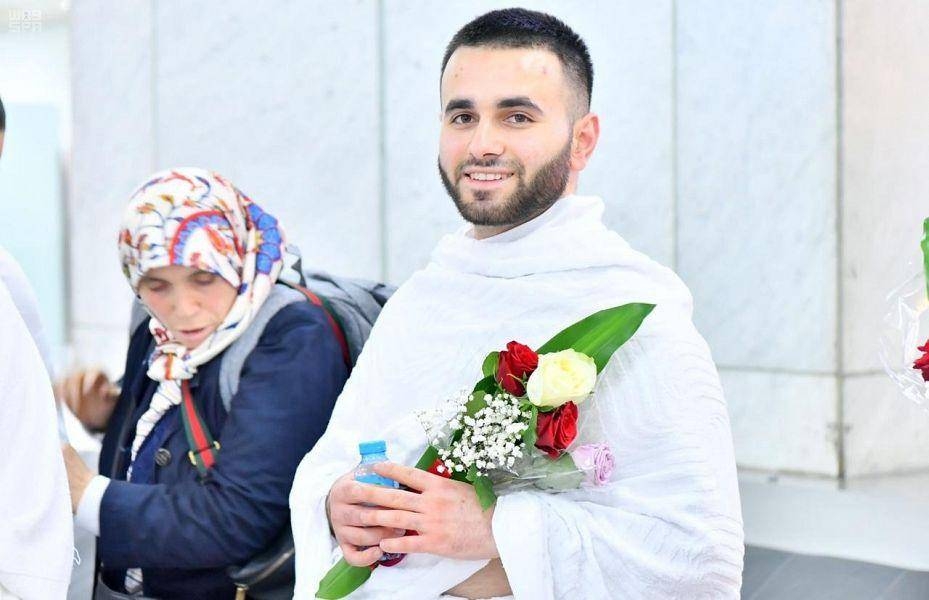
586	132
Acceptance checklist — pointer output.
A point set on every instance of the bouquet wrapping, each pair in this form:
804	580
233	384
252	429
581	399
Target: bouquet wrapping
904	347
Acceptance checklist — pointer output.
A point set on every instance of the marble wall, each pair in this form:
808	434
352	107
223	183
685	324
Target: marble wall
756	233
754	146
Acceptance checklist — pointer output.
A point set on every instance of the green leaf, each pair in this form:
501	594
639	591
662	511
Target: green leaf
531	435
925	246
489	367
427	459
472	474
342	580
488	385
600	334
485	491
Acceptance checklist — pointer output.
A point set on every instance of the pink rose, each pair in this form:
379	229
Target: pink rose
596	461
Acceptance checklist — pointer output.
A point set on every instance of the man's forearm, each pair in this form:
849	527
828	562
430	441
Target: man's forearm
488	582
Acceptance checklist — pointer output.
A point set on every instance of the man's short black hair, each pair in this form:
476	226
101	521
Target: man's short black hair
521	28
2	116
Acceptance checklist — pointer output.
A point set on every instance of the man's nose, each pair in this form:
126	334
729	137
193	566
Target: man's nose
486	140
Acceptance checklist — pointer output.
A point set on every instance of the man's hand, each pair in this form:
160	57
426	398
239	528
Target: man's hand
90	396
446	513
345	506
78	474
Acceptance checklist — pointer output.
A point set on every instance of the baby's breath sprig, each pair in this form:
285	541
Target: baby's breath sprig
491	439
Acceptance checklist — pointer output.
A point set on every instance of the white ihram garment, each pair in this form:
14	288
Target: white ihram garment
669	523
36	540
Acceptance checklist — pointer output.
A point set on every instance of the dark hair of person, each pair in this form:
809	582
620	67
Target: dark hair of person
521	28
2	116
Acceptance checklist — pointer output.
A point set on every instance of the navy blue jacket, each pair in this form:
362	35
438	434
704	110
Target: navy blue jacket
184	530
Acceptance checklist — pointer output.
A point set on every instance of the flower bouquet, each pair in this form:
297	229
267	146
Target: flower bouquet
514	428
904	358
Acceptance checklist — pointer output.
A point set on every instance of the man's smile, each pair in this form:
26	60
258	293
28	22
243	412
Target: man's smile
485	178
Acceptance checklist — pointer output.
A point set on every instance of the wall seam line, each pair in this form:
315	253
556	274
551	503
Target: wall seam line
382	144
840	249
675	189
153	75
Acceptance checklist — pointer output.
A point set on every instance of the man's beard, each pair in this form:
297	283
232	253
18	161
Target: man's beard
528	201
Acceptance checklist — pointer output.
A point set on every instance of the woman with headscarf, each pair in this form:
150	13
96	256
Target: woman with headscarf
203	259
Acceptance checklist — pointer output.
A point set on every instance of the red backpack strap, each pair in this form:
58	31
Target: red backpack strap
203	447
333	322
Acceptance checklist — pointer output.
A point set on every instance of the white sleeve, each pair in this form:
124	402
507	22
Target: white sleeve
88	510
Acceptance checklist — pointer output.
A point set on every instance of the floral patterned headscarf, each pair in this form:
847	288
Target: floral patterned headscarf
195	218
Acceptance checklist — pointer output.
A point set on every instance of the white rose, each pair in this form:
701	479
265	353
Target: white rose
566	376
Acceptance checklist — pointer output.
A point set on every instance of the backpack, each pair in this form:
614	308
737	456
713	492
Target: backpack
351	307
351	304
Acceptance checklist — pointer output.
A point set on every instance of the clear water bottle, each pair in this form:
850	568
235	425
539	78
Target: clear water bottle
374	452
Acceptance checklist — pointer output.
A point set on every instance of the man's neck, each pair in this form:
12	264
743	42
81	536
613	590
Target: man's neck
482	232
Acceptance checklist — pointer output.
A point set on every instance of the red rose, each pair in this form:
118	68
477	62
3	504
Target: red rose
557	429
922	363
515	364
438	468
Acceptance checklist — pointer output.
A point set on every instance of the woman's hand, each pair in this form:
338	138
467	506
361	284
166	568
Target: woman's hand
79	475
90	395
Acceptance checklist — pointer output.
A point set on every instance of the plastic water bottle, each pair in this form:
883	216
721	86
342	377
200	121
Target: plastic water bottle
374	452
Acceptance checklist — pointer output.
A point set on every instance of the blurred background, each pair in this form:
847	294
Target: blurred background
774	153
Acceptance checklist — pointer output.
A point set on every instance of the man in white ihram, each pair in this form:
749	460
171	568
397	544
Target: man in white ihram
516	133
36	543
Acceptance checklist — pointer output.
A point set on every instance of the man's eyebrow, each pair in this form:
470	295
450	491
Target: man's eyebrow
519	102
458	104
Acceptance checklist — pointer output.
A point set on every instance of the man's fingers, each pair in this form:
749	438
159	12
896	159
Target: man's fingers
408	476
390	498
360	558
405	545
397	519
365	536
348	514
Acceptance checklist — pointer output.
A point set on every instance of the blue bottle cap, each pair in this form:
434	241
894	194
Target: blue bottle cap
373	447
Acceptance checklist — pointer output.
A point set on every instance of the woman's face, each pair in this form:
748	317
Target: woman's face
189	302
